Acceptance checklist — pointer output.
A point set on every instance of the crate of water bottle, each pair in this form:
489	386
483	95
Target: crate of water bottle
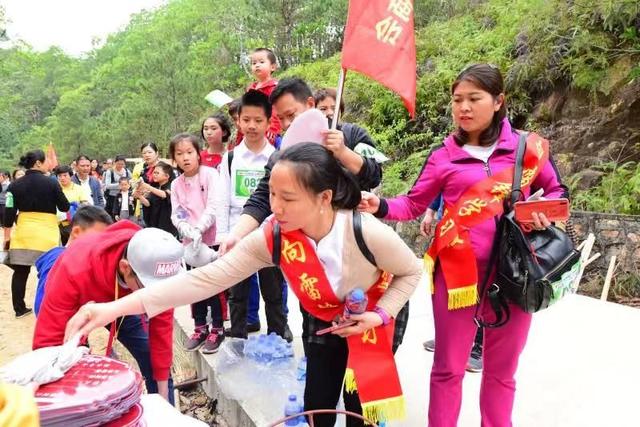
268	349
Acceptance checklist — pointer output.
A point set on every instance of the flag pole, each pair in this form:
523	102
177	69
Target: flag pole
336	114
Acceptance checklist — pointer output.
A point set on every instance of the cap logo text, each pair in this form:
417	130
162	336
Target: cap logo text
164	269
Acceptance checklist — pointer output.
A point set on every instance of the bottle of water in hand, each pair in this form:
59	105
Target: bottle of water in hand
355	303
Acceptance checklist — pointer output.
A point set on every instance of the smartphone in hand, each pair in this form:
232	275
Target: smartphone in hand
337	327
553	209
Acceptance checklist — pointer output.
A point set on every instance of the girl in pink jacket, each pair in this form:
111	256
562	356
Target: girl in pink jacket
483	145
193	210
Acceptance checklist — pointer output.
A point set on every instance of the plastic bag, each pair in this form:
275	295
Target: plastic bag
43	365
245	369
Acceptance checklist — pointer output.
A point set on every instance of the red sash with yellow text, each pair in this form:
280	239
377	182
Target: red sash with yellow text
484	200
371	367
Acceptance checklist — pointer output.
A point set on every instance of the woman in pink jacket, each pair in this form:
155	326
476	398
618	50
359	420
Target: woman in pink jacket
466	170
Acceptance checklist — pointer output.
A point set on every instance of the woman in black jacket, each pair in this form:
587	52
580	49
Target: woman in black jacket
31	204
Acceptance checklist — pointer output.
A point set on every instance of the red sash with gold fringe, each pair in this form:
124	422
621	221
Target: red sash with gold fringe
371	367
451	243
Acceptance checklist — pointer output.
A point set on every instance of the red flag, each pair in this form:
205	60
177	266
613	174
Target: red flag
51	159
379	42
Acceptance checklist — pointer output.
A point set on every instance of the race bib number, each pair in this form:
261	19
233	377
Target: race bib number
247	181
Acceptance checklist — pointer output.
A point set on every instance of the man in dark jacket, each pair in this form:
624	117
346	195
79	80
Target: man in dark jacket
83	178
291	98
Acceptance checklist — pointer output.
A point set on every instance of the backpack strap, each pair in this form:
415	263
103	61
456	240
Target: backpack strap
229	160
276	251
362	245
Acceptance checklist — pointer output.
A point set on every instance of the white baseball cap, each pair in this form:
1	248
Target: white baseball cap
154	255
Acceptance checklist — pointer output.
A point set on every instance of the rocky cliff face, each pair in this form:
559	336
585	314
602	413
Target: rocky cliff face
587	132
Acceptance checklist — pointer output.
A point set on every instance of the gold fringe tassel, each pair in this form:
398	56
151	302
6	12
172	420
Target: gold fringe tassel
350	381
379	410
383	410
463	297
429	266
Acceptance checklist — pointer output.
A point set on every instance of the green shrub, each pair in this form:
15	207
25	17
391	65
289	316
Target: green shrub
618	192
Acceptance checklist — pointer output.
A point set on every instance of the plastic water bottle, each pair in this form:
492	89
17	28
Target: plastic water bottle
250	347
355	303
289	348
291	408
301	371
182	213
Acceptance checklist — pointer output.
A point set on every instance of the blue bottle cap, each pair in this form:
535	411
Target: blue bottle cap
357	295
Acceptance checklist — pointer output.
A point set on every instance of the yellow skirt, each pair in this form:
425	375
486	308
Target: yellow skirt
35	233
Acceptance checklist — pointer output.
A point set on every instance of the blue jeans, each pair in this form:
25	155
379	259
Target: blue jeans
254	300
134	337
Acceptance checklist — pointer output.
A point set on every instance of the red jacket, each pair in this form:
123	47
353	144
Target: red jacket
275	127
85	272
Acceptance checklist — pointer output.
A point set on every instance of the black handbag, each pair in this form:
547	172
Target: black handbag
533	270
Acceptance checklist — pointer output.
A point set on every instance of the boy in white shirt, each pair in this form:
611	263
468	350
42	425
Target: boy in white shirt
240	176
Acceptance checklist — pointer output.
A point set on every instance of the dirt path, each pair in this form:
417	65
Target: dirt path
16	334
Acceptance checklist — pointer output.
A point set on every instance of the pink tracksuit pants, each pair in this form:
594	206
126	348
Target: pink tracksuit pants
455	332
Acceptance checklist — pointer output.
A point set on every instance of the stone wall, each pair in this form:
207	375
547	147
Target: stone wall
615	235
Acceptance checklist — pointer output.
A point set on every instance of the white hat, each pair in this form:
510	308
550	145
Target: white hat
154	255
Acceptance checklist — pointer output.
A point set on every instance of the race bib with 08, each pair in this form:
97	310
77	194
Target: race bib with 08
247	181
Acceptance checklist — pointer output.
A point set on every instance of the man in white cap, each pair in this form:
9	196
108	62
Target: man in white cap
103	267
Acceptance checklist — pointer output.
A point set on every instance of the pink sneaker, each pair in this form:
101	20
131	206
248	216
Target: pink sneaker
213	341
196	339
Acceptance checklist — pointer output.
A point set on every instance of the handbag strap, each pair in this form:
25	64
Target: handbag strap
497	301
516	190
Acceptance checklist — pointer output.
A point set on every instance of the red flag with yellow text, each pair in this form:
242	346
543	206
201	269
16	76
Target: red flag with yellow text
51	158
379	42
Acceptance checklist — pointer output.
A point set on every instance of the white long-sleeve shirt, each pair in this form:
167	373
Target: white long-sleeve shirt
237	184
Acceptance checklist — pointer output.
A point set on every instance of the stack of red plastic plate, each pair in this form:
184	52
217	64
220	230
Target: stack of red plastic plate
96	391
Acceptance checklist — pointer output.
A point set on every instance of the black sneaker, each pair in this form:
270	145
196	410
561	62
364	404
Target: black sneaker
253	327
474	364
429	345
27	311
288	335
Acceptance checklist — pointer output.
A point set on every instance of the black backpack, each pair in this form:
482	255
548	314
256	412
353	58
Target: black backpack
357	231
535	269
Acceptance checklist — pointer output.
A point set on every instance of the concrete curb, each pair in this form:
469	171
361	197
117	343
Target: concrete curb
233	411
